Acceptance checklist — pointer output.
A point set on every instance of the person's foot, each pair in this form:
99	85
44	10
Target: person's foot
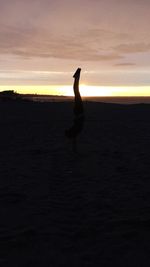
77	73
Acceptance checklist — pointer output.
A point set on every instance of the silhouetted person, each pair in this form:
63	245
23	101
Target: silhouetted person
77	126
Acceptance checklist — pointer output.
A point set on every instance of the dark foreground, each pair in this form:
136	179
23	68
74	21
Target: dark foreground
62	209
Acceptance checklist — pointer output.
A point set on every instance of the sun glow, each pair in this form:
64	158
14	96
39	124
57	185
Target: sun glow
86	90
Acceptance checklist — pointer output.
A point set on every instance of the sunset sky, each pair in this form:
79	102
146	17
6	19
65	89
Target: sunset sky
42	42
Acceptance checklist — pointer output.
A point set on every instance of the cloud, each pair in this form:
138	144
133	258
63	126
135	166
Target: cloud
58	35
33	43
74	30
133	48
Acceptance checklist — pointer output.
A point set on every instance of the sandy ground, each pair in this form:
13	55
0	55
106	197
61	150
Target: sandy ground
58	208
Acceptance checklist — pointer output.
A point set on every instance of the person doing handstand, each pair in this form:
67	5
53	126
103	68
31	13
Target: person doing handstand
77	126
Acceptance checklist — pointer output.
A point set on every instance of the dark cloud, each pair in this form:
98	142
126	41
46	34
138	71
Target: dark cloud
128	64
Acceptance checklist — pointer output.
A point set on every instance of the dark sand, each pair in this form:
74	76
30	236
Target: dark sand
62	209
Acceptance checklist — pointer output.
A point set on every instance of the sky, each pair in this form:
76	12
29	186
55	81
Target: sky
42	42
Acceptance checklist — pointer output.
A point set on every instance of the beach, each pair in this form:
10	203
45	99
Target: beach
60	208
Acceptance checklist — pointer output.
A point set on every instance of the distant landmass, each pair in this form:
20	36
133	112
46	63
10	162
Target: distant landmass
11	95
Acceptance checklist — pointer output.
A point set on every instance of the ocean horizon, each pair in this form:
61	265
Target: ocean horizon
104	99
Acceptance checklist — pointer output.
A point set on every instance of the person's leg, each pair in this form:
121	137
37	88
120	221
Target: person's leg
76	77
78	100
